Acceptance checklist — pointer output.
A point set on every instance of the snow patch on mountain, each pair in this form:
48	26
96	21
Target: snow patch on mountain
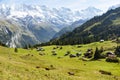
114	6
33	24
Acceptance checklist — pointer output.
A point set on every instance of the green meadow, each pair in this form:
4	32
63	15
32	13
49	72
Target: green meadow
30	65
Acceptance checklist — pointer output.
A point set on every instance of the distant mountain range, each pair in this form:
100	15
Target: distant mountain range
105	27
86	15
21	25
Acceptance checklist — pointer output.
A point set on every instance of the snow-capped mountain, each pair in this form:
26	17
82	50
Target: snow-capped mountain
33	24
90	12
114	6
85	15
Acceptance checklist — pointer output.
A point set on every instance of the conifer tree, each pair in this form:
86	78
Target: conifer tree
96	54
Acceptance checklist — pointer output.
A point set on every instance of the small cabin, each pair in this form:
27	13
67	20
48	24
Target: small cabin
102	40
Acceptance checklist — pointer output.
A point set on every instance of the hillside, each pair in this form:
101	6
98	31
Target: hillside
69	28
29	64
105	27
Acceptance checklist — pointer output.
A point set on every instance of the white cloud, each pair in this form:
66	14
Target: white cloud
73	4
80	4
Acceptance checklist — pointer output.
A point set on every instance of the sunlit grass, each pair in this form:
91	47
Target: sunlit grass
21	66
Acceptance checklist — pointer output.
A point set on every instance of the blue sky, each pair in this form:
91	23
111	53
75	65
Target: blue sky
73	4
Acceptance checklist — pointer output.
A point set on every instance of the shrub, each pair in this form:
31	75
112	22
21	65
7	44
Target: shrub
16	50
117	51
61	47
88	54
105	72
78	54
108	59
67	53
72	55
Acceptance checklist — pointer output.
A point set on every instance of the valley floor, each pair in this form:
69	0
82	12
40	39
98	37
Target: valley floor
31	65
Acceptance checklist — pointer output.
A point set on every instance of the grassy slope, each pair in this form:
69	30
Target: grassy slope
116	22
18	66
